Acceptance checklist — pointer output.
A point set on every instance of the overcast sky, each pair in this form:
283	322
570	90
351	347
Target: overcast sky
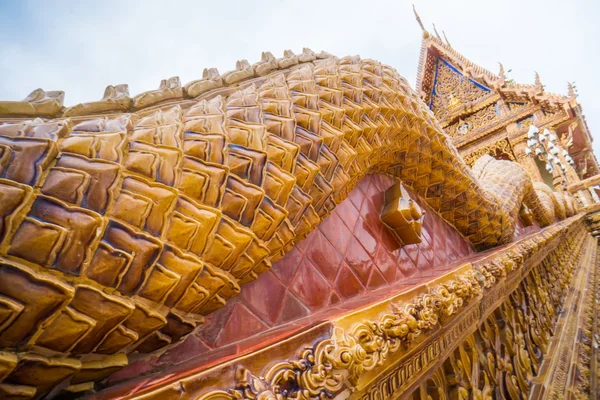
83	46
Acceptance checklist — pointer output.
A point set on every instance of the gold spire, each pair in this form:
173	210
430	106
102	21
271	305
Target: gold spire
436	32
538	81
501	74
418	18
446	39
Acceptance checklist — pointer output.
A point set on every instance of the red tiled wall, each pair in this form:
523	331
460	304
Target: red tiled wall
350	253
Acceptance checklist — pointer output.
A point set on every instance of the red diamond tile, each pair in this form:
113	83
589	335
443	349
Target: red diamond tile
426	250
334	299
215	322
358	258
376	196
356	196
292	309
386	182
413	252
348	213
366	236
387	238
372	218
241	325
368	206
423	264
264	296
439	242
305	244
310	287
336	232
376	280
347	284
324	256
386	264
286	267
439	261
405	264
364	183
190	347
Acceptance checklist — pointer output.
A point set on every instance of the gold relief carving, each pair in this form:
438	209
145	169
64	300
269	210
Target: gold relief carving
498	147
501	356
157	218
402	214
452	90
473	122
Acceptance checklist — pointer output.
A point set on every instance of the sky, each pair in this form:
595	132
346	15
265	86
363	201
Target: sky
82	46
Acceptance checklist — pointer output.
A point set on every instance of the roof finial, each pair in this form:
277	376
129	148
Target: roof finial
436	33
571	90
418	18
538	81
501	74
446	39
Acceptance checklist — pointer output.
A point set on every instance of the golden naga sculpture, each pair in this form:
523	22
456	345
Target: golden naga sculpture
119	233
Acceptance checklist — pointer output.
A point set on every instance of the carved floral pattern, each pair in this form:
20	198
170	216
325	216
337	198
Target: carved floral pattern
507	348
452	90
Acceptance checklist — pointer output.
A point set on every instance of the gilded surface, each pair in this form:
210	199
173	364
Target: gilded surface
473	122
121	232
402	215
499	147
453	90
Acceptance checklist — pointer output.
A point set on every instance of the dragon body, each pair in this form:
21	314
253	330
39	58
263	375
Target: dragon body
121	230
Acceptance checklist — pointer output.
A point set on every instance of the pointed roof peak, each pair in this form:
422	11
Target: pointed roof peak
446	39
571	90
501	73
436	32
418	19
538	81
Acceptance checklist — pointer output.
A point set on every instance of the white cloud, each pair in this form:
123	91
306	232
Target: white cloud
83	47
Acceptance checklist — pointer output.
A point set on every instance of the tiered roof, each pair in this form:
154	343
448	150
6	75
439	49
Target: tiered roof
475	105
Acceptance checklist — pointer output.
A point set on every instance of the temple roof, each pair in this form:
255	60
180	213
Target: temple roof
471	102
454	86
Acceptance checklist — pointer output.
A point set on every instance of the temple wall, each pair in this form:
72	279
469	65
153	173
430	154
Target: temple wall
483	329
350	254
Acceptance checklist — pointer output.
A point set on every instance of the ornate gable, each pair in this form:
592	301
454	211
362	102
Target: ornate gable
451	89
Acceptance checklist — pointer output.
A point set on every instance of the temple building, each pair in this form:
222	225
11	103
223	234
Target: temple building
486	113
305	227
